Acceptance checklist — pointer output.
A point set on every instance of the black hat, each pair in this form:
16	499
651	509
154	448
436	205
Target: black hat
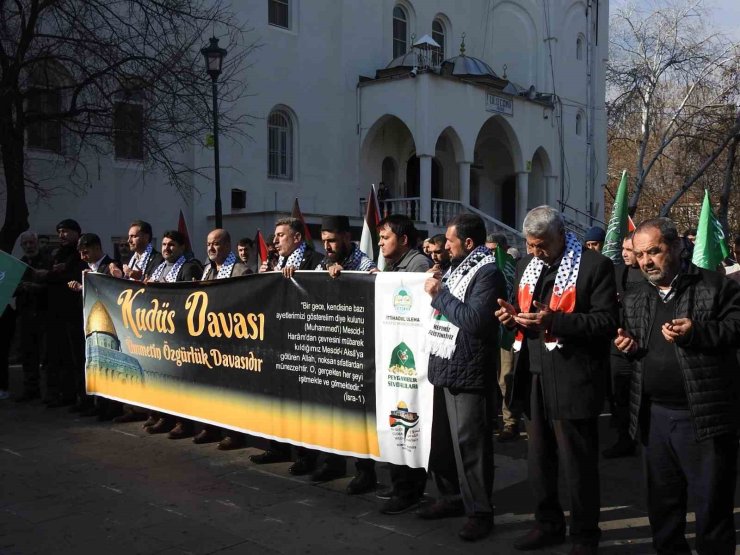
69	224
595	234
335	223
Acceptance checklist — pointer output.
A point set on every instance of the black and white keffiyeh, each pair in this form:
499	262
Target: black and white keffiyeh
143	259
356	261
295	259
442	334
226	268
171	276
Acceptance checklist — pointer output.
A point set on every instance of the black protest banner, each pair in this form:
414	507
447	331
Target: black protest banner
289	359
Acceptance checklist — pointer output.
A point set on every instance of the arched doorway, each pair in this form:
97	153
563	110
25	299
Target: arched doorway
413	188
493	173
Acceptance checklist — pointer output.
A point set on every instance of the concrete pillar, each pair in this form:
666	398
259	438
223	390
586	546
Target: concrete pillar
464	178
425	188
522	197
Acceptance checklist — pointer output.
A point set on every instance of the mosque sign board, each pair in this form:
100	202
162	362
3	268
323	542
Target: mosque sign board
499	104
330	364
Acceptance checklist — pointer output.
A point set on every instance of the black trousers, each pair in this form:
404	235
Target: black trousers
676	467
7	332
461	458
33	348
65	374
619	393
574	444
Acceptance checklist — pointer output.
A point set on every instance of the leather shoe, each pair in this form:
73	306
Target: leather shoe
302	466
233	440
509	433
151	420
397	505
269	457
181	430
363	482
332	468
537	538
209	434
476	528
584	549
130	416
442	509
162	426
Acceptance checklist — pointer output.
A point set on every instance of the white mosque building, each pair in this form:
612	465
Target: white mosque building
487	106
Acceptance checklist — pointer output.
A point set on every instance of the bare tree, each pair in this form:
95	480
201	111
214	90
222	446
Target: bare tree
669	82
86	78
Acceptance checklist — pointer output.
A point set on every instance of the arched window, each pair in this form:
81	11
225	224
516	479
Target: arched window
400	31
280	145
438	34
579	123
579	48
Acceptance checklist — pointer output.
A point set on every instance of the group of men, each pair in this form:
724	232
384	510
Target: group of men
672	331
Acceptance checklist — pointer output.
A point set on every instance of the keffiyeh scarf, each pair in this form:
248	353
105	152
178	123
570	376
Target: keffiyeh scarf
356	261
226	268
143	259
295	259
563	297
442	334
171	276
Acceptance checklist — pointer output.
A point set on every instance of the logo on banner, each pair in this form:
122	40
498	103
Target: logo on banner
402	368
402	301
403	419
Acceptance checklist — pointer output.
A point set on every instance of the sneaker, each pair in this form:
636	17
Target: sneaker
476	528
397	505
384	493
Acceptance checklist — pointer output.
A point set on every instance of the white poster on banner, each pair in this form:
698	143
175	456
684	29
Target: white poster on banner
404	396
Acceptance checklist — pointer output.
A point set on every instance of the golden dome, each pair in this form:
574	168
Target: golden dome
100	321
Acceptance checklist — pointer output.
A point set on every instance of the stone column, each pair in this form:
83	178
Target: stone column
425	188
464	178
522	197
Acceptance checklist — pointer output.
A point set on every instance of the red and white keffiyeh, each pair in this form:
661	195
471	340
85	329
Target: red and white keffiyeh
563	297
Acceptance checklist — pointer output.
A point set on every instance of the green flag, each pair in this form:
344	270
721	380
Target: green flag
11	272
617	228
507	266
710	248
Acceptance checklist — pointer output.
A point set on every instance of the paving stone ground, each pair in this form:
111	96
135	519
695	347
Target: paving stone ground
72	485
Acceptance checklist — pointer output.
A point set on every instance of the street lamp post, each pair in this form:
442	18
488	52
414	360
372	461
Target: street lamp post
214	58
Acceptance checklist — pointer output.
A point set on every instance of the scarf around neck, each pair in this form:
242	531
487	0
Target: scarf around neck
226	268
295	259
563	298
442	335
143	259
171	276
